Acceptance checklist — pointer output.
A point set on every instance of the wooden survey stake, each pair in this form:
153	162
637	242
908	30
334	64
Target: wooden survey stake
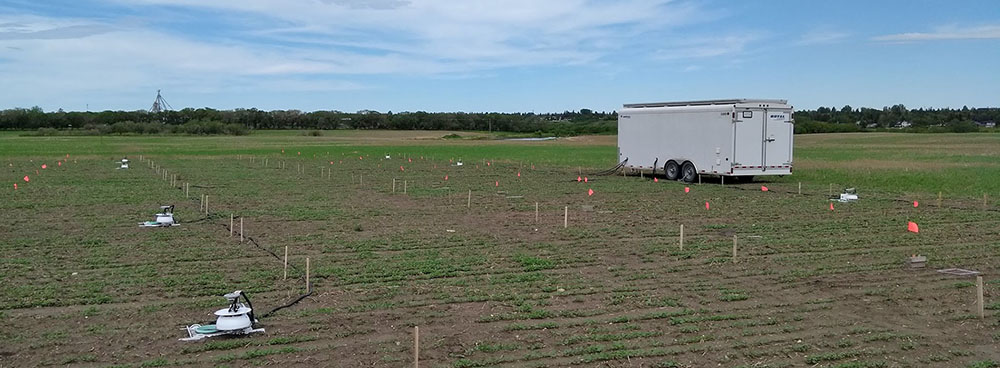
682	236
416	347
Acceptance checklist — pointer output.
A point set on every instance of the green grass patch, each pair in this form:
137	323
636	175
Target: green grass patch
531	263
832	356
989	363
258	353
158	362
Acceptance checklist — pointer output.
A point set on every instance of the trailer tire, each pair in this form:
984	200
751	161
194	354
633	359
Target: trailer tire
688	172
672	171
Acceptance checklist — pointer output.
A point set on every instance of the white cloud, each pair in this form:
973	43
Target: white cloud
946	33
98	67
320	45
464	35
369	4
706	47
12	31
820	38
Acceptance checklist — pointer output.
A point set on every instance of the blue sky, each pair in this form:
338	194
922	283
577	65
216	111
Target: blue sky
508	56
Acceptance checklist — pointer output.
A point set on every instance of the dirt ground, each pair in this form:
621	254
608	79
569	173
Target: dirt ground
488	284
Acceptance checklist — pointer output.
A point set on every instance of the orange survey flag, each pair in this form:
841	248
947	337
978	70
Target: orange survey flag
763	188
912	227
590	192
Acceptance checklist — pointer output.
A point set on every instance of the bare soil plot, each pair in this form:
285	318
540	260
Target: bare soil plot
487	284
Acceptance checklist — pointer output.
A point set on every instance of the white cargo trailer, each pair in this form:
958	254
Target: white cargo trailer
739	138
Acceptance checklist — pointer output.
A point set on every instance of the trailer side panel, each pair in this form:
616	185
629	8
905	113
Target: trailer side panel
738	137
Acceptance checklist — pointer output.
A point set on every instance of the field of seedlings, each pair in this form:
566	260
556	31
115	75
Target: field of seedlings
506	260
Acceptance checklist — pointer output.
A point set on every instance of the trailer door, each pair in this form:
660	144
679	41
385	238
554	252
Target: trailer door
778	130
748	138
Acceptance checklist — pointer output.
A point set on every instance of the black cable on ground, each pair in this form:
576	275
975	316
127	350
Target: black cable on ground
293	302
275	255
611	170
253	241
203	218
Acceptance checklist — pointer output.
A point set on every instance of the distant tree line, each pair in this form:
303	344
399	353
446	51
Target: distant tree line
568	123
896	117
584	121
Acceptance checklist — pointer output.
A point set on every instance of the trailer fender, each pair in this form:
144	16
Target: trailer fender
680	160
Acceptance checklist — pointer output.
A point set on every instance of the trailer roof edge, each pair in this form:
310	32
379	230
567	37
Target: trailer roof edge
732	101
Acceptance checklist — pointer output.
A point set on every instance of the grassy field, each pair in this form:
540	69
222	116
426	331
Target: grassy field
488	284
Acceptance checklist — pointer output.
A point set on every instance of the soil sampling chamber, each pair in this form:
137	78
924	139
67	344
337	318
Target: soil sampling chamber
163	219
237	319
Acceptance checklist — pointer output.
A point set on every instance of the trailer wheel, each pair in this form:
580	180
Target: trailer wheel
688	173
672	170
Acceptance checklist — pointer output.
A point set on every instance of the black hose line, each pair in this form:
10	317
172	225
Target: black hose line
250	240
276	256
203	218
293	302
253	320
611	170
